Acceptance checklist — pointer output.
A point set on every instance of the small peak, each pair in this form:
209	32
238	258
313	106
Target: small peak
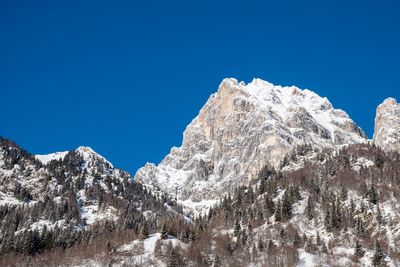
85	149
229	81
88	153
229	84
260	82
390	101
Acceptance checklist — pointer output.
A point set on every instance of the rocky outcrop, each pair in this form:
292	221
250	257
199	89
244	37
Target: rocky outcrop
387	125
239	130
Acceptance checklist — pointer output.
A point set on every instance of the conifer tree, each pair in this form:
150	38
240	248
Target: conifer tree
237	228
373	195
359	227
217	261
310	209
286	207
244	237
278	212
144	232
358	250
260	245
164	231
173	259
343	192
379	256
270	205
318	239
378	214
296	240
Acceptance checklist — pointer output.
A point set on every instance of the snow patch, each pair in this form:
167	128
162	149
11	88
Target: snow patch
306	259
49	157
92	214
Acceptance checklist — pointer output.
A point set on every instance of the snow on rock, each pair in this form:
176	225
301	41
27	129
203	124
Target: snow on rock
141	252
306	259
148	244
49	157
198	208
362	162
89	155
6	199
387	125
238	131
92	214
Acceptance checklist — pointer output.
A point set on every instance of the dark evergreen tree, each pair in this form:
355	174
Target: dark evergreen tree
373	195
144	232
270	205
310	209
359	226
260	245
378	214
286	207
244	237
278	212
378	256
343	192
237	228
358	250
318	239
296	240
174	259
217	261
261	187
164	231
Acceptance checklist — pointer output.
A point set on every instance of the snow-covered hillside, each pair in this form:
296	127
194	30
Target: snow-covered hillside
62	197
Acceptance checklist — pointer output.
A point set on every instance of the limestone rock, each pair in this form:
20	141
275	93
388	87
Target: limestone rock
387	125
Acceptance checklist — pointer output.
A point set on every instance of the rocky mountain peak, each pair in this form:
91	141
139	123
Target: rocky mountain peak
89	155
387	125
242	128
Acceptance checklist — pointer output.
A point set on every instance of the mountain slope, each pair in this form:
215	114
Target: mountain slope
340	210
71	200
239	130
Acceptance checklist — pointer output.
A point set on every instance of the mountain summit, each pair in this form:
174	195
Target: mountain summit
242	128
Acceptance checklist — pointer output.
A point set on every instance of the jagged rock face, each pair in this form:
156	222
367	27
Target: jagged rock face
242	128
387	125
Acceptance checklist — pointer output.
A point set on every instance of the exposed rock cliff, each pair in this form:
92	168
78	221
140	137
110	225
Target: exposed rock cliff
387	125
242	128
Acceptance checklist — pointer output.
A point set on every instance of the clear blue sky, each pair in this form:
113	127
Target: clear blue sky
126	77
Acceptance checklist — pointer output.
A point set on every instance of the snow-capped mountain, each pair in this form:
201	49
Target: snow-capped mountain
242	128
87	153
387	125
34	177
